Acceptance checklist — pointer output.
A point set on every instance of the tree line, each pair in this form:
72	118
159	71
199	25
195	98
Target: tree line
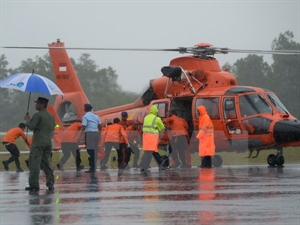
103	91
100	86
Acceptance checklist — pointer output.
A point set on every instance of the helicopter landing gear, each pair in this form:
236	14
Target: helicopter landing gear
250	154
217	161
278	159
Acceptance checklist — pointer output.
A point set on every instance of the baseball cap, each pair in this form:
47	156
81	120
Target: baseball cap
88	106
42	100
124	114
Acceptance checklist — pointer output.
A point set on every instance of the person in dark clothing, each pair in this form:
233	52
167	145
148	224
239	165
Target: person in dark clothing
69	145
178	137
42	124
9	143
134	135
125	123
91	126
115	136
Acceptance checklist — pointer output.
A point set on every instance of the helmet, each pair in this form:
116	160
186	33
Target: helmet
124	114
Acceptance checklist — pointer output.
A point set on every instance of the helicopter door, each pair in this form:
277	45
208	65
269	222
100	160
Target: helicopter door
162	106
230	116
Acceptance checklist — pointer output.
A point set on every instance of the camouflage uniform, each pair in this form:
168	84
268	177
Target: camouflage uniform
42	123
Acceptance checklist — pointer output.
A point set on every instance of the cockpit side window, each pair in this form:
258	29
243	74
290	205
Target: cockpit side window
162	109
229	108
211	105
232	124
277	103
253	104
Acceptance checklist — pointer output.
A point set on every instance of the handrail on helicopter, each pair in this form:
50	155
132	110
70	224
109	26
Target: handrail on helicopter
175	74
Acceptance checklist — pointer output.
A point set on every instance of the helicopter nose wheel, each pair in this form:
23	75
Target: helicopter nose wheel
274	160
217	161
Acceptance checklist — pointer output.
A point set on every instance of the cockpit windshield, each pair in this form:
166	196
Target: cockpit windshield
253	104
277	103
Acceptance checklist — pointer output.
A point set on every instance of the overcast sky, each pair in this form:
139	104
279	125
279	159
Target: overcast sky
143	24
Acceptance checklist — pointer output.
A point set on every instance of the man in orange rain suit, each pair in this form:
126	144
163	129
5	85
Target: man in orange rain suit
101	151
134	135
125	124
9	142
152	125
206	138
69	144
178	138
113	135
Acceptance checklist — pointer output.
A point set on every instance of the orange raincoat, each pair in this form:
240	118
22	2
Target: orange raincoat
177	125
13	134
115	133
206	134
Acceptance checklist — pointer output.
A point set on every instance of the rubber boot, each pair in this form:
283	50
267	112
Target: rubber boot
27	163
19	169
5	164
60	167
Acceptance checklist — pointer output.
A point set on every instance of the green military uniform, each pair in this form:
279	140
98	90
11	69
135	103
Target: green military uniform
42	124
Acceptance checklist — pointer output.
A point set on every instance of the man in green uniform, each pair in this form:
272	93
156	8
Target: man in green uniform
42	124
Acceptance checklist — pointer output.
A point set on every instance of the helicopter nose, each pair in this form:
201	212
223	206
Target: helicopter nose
287	131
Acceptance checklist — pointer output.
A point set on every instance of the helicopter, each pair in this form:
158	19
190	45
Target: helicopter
245	118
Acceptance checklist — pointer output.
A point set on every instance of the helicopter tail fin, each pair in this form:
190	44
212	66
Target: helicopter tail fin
67	80
63	69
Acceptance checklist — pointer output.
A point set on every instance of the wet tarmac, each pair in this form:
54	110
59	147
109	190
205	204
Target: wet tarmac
226	195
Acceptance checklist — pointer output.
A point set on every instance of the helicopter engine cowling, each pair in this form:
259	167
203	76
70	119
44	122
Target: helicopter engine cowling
172	72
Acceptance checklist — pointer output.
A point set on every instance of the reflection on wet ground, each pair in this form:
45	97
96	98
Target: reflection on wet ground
226	195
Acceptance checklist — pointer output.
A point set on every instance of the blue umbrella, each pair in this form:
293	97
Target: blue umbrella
30	82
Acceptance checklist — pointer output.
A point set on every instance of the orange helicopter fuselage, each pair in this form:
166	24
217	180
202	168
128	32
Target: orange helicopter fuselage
243	117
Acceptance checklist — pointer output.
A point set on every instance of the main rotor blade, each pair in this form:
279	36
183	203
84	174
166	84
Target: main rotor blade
96	49
189	50
283	52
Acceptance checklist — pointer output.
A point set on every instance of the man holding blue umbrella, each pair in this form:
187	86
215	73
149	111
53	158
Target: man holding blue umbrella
42	124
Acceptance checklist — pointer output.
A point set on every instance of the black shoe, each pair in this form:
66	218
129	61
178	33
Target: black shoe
27	163
103	168
90	171
204	166
127	167
177	165
19	170
123	166
50	190
81	167
60	167
5	164
185	166
163	168
31	189
143	171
